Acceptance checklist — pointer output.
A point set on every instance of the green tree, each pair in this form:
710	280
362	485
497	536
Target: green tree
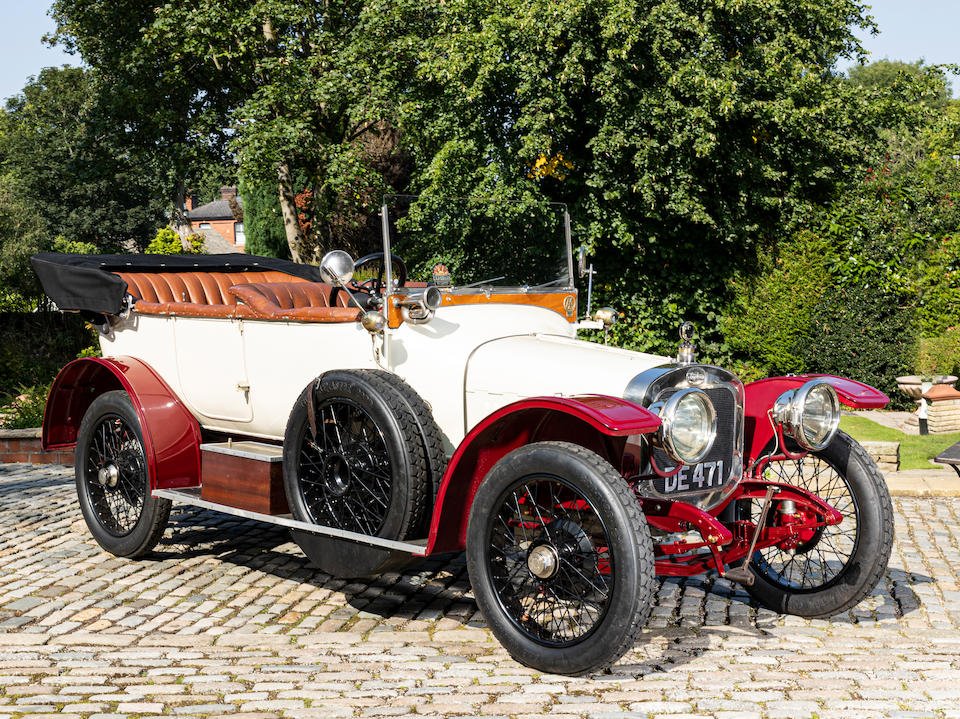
895	75
71	169
21	235
263	221
690	133
168	242
165	105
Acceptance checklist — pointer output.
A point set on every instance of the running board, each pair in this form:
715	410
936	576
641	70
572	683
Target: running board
192	496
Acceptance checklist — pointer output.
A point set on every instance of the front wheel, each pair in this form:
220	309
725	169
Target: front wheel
834	568
560	558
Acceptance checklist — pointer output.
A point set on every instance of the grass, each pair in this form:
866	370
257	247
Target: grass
916	451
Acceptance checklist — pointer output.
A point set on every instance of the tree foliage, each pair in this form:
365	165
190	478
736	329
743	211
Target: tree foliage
263	221
691	132
896	76
168	242
167	107
70	168
886	289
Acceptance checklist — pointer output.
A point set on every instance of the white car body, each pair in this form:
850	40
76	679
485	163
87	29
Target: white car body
242	376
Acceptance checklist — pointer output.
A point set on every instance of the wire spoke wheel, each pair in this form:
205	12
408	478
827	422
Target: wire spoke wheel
820	559
550	561
115	475
823	571
113	478
345	473
560	558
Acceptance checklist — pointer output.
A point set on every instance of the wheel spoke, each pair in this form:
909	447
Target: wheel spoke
115	447
348	481
563	606
819	560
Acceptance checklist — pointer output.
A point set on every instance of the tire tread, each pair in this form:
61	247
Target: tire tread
434	454
637	517
857	454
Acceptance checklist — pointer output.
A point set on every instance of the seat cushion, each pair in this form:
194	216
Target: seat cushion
202	288
293	301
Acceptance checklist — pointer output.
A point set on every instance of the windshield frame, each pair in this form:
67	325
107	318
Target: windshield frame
558	284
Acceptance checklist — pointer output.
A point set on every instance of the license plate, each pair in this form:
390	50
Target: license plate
693	478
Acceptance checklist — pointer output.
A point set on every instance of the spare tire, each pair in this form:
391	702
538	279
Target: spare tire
430	435
353	459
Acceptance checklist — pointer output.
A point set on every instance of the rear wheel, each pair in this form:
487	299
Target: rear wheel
560	558
832	569
113	484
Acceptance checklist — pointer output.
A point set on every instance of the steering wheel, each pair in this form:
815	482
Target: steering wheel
373	285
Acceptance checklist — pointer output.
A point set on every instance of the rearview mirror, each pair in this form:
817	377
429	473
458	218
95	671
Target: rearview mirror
336	267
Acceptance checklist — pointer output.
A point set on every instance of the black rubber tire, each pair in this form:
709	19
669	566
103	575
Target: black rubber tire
625	529
134	481
431	437
871	548
403	447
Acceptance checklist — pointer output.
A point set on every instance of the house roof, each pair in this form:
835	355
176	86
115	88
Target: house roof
216	210
215	244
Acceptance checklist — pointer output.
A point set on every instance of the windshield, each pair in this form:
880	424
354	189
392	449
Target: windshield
464	242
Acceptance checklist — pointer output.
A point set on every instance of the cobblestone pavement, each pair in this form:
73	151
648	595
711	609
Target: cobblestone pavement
228	618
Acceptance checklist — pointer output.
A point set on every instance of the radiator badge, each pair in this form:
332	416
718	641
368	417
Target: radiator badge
696	376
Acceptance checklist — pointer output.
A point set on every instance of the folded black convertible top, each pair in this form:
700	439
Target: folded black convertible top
86	283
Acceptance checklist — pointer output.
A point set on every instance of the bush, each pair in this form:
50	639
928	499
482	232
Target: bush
26	410
939	355
770	320
168	242
938	301
802	315
35	345
862	334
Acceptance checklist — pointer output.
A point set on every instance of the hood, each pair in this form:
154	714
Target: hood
516	367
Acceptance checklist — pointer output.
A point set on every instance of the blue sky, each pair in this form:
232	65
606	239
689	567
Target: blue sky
909	30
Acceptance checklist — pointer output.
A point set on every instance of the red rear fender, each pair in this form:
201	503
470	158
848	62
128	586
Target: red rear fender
599	423
171	435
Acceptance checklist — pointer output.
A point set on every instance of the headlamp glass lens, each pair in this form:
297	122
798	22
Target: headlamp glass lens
820	416
692	426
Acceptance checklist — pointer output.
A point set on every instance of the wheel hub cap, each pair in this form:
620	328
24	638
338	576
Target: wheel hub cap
108	475
336	474
543	561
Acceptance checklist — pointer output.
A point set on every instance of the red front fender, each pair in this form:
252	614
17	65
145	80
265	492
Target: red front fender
171	435
597	422
760	396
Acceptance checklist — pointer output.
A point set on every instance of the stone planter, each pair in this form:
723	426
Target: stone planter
916	388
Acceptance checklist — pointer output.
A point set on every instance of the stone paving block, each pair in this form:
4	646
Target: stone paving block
227	619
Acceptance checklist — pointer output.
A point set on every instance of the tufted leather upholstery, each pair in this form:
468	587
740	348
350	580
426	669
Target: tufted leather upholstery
295	301
287	295
202	288
195	294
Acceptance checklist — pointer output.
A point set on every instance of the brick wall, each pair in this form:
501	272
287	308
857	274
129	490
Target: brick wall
23	445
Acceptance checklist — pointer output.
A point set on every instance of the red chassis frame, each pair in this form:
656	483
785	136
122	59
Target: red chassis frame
172	444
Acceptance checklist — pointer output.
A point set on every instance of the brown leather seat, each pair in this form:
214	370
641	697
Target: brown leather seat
293	301
196	294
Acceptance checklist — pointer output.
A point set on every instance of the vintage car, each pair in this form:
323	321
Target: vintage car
384	420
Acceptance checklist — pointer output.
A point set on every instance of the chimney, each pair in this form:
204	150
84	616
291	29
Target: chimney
228	193
189	202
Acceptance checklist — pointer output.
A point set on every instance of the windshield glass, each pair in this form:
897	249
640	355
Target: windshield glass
463	242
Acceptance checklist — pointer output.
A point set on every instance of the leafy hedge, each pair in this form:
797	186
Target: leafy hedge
35	345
